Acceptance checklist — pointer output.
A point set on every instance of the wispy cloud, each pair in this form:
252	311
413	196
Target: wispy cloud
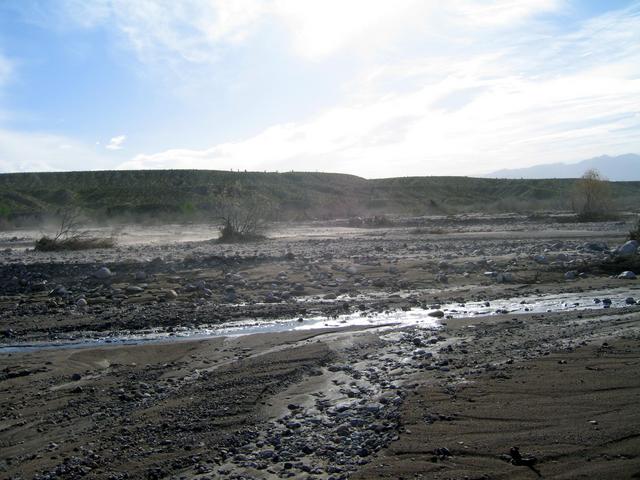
116	143
466	110
320	29
196	30
166	31
29	151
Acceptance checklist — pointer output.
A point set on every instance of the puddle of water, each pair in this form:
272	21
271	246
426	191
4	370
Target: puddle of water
415	317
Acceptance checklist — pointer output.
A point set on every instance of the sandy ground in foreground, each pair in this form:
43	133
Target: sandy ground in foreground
187	409
577	413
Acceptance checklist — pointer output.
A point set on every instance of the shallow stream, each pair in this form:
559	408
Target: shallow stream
423	317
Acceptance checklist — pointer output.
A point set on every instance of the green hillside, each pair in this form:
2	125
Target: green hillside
164	195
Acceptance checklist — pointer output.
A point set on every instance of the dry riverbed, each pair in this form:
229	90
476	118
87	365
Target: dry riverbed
387	353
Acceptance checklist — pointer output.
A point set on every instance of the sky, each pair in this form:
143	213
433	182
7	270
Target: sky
375	88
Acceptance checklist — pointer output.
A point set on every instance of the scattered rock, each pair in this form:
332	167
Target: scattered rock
541	259
103	273
595	246
59	291
170	294
517	459
627	275
629	249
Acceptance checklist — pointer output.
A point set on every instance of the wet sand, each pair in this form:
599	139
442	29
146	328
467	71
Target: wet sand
175	410
576	413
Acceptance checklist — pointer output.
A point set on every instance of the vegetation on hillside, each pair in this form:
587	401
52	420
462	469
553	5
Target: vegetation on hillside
190	195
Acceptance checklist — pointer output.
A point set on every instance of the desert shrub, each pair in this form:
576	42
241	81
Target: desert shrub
48	244
592	197
241	220
70	235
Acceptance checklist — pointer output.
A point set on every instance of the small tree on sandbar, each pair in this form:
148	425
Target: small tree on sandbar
592	196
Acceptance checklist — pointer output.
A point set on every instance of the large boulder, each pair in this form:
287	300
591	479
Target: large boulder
628	275
628	249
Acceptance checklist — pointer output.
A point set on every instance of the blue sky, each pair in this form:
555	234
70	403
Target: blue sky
369	87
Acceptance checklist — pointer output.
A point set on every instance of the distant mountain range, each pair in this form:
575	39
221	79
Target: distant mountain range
620	168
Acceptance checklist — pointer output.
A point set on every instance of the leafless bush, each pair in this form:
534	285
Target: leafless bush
71	236
241	220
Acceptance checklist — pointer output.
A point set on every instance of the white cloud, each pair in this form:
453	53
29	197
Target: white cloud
116	143
468	112
198	30
322	28
502	12
169	31
319	29
39	152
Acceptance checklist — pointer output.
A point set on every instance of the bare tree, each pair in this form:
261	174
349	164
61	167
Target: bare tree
70	225
241	220
592	196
